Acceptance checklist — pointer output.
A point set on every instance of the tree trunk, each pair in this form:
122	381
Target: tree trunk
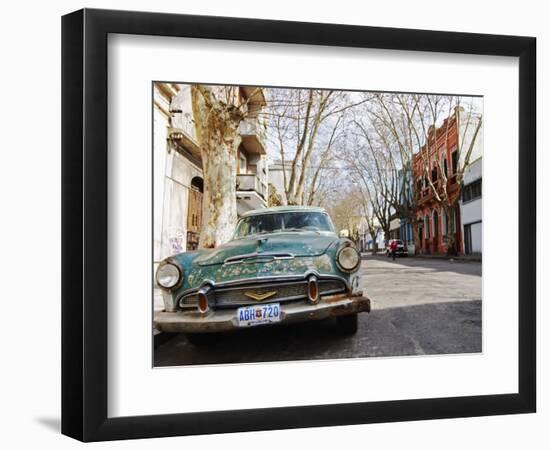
451	245
217	126
416	235
452	249
374	236
386	235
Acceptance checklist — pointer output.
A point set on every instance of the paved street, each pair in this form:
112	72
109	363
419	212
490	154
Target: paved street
419	306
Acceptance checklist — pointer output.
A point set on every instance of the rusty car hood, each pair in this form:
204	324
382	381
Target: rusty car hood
276	245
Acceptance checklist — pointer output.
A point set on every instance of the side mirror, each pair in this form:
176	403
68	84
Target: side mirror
344	233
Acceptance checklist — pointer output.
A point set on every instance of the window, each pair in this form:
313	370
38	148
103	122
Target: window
434	174
427	227
471	191
454	161
307	221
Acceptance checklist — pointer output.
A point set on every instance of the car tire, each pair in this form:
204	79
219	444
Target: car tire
347	325
201	339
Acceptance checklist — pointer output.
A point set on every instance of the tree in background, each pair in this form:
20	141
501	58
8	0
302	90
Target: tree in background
371	170
392	135
345	211
307	125
385	157
273	199
330	143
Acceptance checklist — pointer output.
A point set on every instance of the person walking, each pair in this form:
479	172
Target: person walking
393	248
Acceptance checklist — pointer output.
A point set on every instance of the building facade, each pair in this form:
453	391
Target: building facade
178	178
471	208
406	234
366	241
395	228
278	173
445	147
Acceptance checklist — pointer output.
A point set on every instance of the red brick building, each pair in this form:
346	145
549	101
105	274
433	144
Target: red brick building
440	151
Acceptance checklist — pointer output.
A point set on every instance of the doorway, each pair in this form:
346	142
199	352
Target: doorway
468	239
194	213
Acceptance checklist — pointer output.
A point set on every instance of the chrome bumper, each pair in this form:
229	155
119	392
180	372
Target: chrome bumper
226	319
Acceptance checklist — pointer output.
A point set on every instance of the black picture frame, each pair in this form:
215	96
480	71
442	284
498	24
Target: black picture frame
84	224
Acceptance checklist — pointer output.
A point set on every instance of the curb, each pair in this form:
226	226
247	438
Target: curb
451	258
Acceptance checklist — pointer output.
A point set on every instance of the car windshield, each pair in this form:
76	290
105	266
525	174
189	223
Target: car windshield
287	221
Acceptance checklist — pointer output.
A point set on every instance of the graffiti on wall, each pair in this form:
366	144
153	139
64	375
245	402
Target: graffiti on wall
177	241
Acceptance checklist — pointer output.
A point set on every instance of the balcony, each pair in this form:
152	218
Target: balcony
251	193
255	95
427	192
253	136
182	133
251	182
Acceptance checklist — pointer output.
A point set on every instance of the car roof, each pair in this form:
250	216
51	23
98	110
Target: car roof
282	209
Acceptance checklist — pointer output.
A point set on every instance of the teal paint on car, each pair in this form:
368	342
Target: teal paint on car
275	253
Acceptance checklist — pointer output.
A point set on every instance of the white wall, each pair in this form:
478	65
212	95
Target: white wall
171	175
472	212
395	224
172	178
379	240
184	119
30	388
159	167
474	171
477	237
276	178
177	183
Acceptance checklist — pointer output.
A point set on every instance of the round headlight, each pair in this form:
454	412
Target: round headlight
168	275
348	258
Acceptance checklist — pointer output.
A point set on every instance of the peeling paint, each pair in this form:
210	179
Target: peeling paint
307	253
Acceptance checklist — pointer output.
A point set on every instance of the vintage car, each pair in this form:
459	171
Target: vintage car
283	264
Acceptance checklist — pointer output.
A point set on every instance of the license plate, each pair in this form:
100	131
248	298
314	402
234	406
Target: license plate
249	316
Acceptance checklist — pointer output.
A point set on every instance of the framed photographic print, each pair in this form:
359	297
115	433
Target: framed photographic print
266	224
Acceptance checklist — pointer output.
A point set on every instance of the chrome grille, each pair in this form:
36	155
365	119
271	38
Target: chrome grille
234	296
327	287
286	292
189	301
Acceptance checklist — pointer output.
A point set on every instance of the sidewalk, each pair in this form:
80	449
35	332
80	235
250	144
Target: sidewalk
473	258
